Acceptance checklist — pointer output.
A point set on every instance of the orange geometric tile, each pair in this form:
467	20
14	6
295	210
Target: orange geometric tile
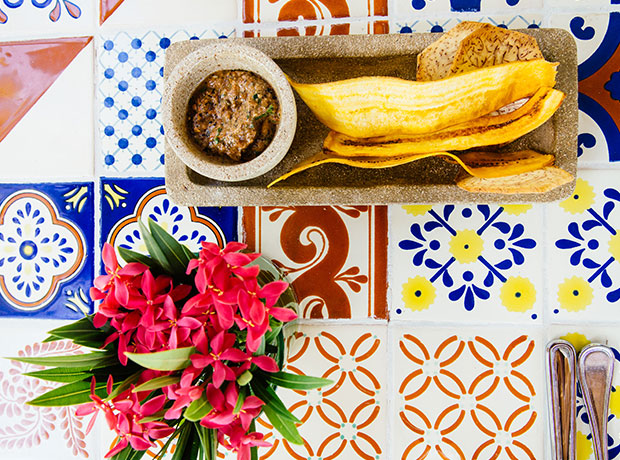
348	419
335	256
462	395
27	70
299	11
107	8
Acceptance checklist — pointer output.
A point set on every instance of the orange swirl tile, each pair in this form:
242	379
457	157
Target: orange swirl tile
371	418
455	379
452	358
523	447
326	443
370	441
526	355
412	446
332	389
526	427
444	414
455	446
517	393
359	386
491	415
325	417
324	352
373	348
489	346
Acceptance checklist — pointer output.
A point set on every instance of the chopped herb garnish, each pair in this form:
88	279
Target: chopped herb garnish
217	136
257	98
267	112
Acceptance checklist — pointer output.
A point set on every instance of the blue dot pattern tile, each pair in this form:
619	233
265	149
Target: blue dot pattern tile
46	250
130	80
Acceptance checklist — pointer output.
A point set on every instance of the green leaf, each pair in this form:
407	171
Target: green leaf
245	378
204	439
61	374
280	355
198	409
285	426
171	248
154	249
164	448
157	383
297	382
169	360
270	398
81	332
79	326
93	360
179	452
130	256
128	453
69	395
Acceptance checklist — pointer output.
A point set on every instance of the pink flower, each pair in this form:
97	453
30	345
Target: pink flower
221	350
116	276
183	393
240	441
179	326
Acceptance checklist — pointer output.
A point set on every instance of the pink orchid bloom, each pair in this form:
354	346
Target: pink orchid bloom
97	405
221	350
180	326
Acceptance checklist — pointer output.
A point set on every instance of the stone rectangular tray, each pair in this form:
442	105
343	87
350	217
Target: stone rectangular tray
329	58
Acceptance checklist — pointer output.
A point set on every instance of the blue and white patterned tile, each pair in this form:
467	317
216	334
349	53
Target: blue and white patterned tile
46	249
598	47
24	19
584	245
125	201
466	263
129	88
407	8
431	24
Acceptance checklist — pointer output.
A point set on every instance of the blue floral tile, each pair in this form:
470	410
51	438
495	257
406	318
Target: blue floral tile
584	245
46	249
124	201
429	24
466	263
429	7
130	84
598	46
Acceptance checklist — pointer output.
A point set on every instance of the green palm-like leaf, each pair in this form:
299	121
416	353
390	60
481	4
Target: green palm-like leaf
69	395
198	409
270	398
62	374
130	256
169	360
157	383
171	248
297	382
94	360
284	425
154	250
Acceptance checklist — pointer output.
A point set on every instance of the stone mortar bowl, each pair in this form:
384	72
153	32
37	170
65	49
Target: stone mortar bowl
181	84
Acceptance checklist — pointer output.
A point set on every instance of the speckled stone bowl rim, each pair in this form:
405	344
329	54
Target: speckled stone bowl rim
181	85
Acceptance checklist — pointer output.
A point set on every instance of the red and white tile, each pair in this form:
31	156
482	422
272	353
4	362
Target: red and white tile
335	256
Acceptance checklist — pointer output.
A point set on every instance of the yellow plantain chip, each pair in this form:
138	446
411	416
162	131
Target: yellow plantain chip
435	61
489	46
478	164
382	106
483	131
538	181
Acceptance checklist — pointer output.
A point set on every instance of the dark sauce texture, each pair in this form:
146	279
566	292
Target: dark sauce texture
234	114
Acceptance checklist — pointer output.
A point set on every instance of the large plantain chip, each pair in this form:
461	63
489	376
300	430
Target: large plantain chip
538	181
483	131
435	61
489	46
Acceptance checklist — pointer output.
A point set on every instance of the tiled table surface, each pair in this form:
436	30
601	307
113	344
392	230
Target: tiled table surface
472	293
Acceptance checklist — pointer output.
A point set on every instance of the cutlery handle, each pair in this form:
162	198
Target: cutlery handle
562	402
596	368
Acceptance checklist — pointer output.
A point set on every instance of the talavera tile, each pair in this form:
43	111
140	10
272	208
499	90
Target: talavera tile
46	249
580	336
598	46
467	394
266	11
466	263
335	256
26	19
125	201
129	88
584	246
47	86
28	432
348	419
439	24
421	8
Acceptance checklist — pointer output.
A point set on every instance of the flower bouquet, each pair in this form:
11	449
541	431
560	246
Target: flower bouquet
187	348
